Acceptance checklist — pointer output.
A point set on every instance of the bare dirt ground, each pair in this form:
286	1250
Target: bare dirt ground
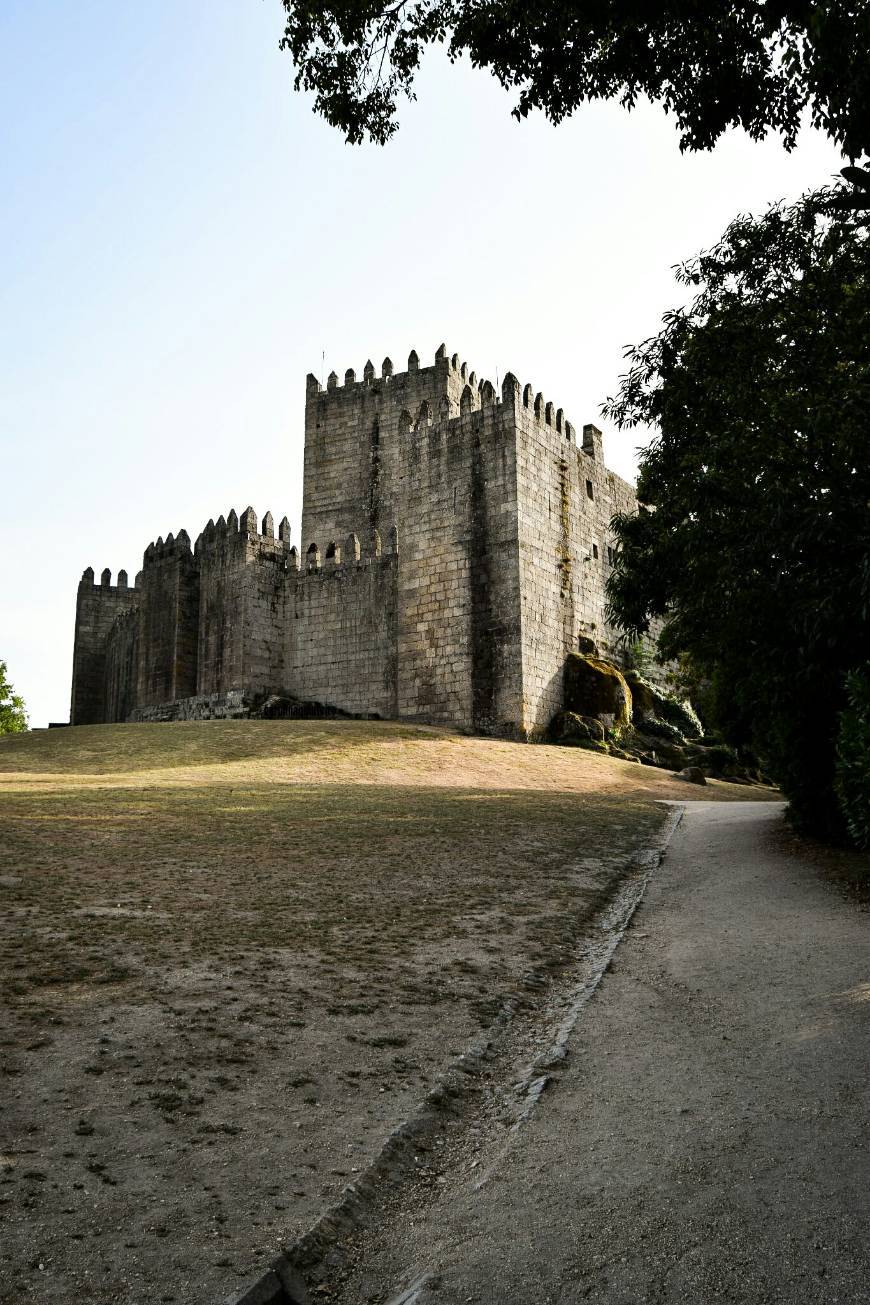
236	954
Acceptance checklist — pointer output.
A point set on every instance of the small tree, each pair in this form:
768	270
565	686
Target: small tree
13	716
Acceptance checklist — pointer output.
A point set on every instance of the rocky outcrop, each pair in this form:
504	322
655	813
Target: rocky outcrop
692	775
596	688
622	714
574	731
661	713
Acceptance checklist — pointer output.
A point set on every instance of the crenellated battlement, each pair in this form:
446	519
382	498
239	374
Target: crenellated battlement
442	366
243	528
105	583
166	550
542	411
456	389
347	556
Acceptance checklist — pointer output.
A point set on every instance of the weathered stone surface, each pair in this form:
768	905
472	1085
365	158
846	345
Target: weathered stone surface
97	608
211	706
692	775
568	728
597	688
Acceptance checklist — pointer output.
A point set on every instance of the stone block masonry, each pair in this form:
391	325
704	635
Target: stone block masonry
95	676
455	543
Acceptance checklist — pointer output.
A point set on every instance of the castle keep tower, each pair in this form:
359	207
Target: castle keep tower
503	522
455	543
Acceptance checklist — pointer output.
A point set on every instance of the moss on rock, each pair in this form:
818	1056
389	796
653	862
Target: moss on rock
653	705
593	687
576	731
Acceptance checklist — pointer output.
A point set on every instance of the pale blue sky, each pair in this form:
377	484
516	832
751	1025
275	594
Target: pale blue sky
182	240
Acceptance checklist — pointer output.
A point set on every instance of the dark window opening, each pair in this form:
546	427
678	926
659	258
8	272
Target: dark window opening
595	551
590	493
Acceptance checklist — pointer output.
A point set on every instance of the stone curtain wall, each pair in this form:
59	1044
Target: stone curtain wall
168	623
235	620
97	607
318	627
340	634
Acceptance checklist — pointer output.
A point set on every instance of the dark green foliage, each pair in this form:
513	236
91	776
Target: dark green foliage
754	64
720	759
853	758
13	717
757	555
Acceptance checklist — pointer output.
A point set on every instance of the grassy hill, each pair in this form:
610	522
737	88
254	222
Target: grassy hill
234	954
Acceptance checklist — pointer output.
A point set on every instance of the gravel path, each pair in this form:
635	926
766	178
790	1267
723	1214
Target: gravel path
706	1138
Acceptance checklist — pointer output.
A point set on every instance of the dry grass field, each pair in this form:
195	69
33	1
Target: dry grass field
235	954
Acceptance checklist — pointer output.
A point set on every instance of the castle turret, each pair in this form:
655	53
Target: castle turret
168	620
97	607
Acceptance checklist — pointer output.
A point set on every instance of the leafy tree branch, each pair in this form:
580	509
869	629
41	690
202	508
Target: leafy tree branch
754	64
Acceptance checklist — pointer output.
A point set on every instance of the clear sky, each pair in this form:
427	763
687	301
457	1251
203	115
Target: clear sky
182	240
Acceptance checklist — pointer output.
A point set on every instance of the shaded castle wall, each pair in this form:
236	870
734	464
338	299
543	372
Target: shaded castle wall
264	609
340	633
122	667
567	498
242	612
168	623
459	628
97	606
221	553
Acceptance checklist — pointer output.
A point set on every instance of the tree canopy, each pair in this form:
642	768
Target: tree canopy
754	64
753	547
13	717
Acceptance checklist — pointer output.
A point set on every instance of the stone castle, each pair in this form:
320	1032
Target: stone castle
455	545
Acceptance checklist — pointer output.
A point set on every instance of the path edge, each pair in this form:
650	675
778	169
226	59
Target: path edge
283	1282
